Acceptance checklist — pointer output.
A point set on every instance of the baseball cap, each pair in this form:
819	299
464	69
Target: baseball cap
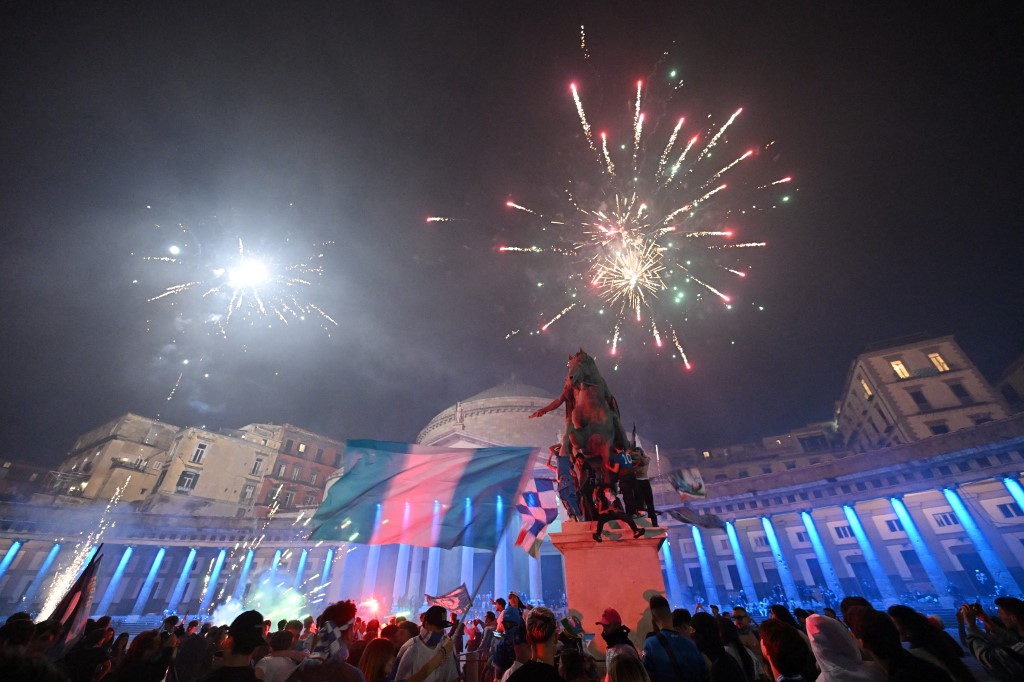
436	616
610	617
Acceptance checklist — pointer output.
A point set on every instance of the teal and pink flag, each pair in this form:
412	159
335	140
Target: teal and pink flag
402	493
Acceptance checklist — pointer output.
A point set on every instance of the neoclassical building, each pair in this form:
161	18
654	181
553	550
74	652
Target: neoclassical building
807	514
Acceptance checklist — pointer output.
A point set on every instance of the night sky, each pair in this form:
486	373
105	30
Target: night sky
288	124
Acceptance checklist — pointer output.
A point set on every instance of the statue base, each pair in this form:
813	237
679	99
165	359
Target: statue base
620	572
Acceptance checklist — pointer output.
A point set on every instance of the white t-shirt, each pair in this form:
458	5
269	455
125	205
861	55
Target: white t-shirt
275	668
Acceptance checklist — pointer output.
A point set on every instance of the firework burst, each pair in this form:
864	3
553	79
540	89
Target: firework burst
247	285
650	244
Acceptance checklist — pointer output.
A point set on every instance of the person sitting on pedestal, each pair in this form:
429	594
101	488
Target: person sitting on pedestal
609	508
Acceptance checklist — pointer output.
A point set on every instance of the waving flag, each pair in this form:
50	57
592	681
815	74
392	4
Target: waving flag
687	515
456	601
688	483
424	496
538	507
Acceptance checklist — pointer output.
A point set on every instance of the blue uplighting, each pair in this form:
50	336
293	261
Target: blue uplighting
211	583
243	578
705	567
147	585
12	552
179	588
831	579
33	587
1000	573
747	582
870	558
924	553
115	580
785	575
301	569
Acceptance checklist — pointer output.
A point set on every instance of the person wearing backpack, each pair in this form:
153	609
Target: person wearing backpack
668	655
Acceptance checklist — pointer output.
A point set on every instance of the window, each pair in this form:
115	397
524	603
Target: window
939	363
791	465
296	473
946	519
287	499
157	466
938	428
257	467
248	491
707	455
961	394
312	478
868	393
843	532
945	470
337	460
801	536
981	418
919	399
743	473
766	470
187	480
310	500
894	525
199	454
1010	510
302	447
288	445
900	369
760	541
280	470
320	455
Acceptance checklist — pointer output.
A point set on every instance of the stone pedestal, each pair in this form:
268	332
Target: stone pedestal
620	572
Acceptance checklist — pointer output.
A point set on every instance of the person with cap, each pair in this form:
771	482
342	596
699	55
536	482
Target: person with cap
615	636
418	651
334	634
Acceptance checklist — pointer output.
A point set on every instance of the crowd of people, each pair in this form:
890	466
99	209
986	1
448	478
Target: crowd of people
515	642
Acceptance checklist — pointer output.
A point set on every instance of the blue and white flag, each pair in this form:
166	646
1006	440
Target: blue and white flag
402	493
538	508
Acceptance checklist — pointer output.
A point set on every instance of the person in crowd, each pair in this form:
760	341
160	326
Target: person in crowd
378	660
667	654
282	624
512	614
371	630
785	651
148	657
626	669
721	666
190	660
473	635
850	602
999	660
714	610
542	633
523	652
277	665
1009	629
419	650
117	650
929	642
751	663
878	635
572	666
838	656
831	613
616	637
246	634
45	638
681	622
90	661
334	635
295	627
308	631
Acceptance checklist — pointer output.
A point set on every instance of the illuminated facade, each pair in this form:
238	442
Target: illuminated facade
808	514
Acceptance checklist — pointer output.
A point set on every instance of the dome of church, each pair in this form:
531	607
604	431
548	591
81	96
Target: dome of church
497	416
